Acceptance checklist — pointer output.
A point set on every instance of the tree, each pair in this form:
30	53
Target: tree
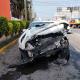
17	7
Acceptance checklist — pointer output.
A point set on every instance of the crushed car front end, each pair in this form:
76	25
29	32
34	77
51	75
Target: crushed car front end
40	43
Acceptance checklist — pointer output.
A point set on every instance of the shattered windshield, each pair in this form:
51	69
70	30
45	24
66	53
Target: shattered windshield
40	24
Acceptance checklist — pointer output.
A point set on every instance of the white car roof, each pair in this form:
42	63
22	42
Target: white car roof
57	22
43	21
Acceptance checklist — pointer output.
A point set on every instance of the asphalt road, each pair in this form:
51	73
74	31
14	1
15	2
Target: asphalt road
42	69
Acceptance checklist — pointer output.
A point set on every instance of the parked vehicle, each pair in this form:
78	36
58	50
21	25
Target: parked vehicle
44	38
75	23
67	27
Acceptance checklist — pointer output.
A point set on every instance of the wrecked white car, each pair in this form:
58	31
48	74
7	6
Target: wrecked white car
44	38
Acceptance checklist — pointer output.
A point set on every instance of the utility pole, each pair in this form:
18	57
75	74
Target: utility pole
71	10
25	8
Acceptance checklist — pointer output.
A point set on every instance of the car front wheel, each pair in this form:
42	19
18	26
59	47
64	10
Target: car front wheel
64	54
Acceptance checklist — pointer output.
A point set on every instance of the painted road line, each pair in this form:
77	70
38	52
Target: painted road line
3	49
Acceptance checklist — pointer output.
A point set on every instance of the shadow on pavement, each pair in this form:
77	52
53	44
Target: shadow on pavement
75	56
26	69
39	64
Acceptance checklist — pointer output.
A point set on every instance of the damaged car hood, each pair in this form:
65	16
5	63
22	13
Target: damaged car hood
34	31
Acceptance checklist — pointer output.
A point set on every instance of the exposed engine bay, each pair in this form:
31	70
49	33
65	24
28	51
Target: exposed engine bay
44	44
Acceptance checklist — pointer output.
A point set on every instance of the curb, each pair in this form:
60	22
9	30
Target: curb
3	49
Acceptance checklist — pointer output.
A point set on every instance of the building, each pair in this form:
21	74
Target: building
68	12
5	8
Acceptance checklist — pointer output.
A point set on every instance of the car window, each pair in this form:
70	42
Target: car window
40	24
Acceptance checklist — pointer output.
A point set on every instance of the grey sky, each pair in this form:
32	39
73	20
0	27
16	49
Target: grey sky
47	8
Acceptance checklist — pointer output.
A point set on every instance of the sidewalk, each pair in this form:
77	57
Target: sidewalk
5	43
3	38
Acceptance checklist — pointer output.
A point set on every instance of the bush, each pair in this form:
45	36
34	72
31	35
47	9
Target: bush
3	26
10	26
27	24
18	26
14	27
24	24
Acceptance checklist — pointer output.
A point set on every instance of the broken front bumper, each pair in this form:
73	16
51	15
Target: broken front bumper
43	46
42	50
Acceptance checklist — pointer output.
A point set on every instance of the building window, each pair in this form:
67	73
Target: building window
59	9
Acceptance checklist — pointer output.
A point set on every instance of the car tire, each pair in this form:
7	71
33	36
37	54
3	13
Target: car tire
63	55
24	57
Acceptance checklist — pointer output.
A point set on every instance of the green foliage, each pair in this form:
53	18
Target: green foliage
11	27
27	24
23	24
18	26
3	26
14	27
